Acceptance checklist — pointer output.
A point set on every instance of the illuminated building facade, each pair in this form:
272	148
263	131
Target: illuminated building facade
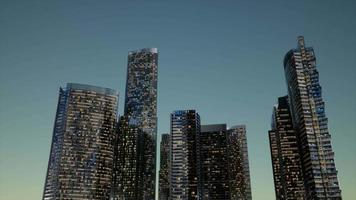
213	177
82	151
126	164
238	164
209	161
185	127
141	113
286	161
309	120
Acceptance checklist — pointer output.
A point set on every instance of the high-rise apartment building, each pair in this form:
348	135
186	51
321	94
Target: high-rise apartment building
164	167
286	161
141	113
309	120
238	164
212	149
209	161
185	127
82	151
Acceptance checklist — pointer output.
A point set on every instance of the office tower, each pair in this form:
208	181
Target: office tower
82	151
209	161
286	164
239	172
185	126
164	167
310	122
141	112
126	168
213	178
223	167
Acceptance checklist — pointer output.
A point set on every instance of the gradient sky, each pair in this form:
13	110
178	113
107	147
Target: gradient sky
222	58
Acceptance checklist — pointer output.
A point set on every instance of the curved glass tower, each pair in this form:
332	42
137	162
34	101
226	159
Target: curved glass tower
82	152
141	112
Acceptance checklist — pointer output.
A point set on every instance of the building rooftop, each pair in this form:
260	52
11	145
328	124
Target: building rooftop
213	127
238	126
148	50
97	89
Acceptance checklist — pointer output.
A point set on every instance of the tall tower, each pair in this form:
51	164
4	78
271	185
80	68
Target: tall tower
164	167
82	151
213	177
141	112
126	170
185	127
310	122
223	166
238	165
286	164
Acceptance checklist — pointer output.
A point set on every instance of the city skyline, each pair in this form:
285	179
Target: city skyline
189	78
200	156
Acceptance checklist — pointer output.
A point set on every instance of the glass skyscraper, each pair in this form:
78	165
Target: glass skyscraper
164	167
141	112
82	151
126	171
213	172
185	127
223	166
286	161
208	161
309	120
238	164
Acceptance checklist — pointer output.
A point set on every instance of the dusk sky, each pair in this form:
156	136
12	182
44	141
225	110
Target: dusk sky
222	58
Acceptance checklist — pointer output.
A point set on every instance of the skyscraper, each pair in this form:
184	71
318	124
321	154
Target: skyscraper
126	171
141	112
286	161
309	120
209	161
223	167
185	127
82	151
238	164
164	167
212	148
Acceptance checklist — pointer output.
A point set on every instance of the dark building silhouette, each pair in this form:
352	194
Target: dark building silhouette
164	167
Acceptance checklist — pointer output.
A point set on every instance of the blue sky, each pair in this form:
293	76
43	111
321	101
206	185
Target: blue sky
222	58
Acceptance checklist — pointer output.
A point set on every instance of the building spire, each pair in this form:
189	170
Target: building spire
301	43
